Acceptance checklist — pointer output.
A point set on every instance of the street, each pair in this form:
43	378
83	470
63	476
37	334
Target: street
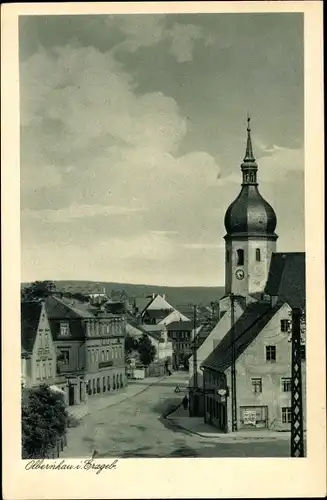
136	428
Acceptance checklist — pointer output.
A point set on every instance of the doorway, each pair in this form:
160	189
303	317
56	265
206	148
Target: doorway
71	399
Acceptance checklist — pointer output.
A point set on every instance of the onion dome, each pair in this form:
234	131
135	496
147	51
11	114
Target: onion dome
250	214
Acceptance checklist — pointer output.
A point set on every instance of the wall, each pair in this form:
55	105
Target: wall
255	273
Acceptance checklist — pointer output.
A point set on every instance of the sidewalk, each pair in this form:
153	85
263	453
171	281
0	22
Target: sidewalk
101	402
196	425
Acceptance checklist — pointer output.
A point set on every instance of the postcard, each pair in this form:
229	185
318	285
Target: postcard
163	271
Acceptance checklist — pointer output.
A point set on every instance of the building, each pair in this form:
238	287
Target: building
262	287
181	335
90	347
38	352
164	349
156	310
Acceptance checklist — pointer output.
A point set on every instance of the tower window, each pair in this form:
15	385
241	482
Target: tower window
240	257
257	255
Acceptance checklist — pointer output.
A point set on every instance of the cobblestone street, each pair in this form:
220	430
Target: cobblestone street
136	428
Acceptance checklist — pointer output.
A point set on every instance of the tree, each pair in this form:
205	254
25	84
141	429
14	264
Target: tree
38	290
131	345
146	350
44	421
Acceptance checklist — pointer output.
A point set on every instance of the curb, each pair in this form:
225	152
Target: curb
121	401
223	438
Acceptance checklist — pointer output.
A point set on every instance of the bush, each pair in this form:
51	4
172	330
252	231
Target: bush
44	421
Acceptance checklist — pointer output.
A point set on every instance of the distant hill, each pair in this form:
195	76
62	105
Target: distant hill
175	295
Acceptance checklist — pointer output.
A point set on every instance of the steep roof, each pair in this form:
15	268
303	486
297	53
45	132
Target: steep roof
158	314
286	278
160	303
30	318
180	326
58	310
246	329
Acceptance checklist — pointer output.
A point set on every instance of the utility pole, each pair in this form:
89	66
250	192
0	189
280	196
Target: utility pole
297	443
195	366
233	367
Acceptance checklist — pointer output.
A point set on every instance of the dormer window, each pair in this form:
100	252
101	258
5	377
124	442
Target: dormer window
240	257
64	329
257	255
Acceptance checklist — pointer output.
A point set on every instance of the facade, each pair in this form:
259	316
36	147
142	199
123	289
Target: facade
38	354
181	335
163	345
90	348
263	371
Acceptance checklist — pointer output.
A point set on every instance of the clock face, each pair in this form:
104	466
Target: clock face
239	274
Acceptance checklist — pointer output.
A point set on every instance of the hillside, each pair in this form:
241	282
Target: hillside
175	295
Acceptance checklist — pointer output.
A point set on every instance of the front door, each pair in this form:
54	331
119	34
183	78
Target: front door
71	399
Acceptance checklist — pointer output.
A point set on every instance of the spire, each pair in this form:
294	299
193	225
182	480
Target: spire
249	152
249	166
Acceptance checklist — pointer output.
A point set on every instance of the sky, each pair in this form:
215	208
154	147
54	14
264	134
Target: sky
133	129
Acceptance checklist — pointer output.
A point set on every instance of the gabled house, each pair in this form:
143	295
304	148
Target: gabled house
38	352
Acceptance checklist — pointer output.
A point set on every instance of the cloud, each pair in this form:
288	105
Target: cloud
77	212
142	31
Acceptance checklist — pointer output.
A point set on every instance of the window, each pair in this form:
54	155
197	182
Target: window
104	384
44	371
108	383
94	390
63	357
37	370
64	329
49	369
46	339
284	325
107	354
257	254
271	353
256	384
286	415
102	355
240	257
302	352
286	384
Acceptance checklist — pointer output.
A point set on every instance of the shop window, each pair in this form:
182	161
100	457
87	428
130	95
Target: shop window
256	385
286	384
108	383
240	257
98	386
271	353
104	384
121	380
286	415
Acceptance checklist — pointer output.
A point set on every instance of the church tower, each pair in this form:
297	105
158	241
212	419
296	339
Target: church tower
250	224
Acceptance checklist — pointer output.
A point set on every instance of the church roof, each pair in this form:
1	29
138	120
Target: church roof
250	214
286	278
30	318
246	330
